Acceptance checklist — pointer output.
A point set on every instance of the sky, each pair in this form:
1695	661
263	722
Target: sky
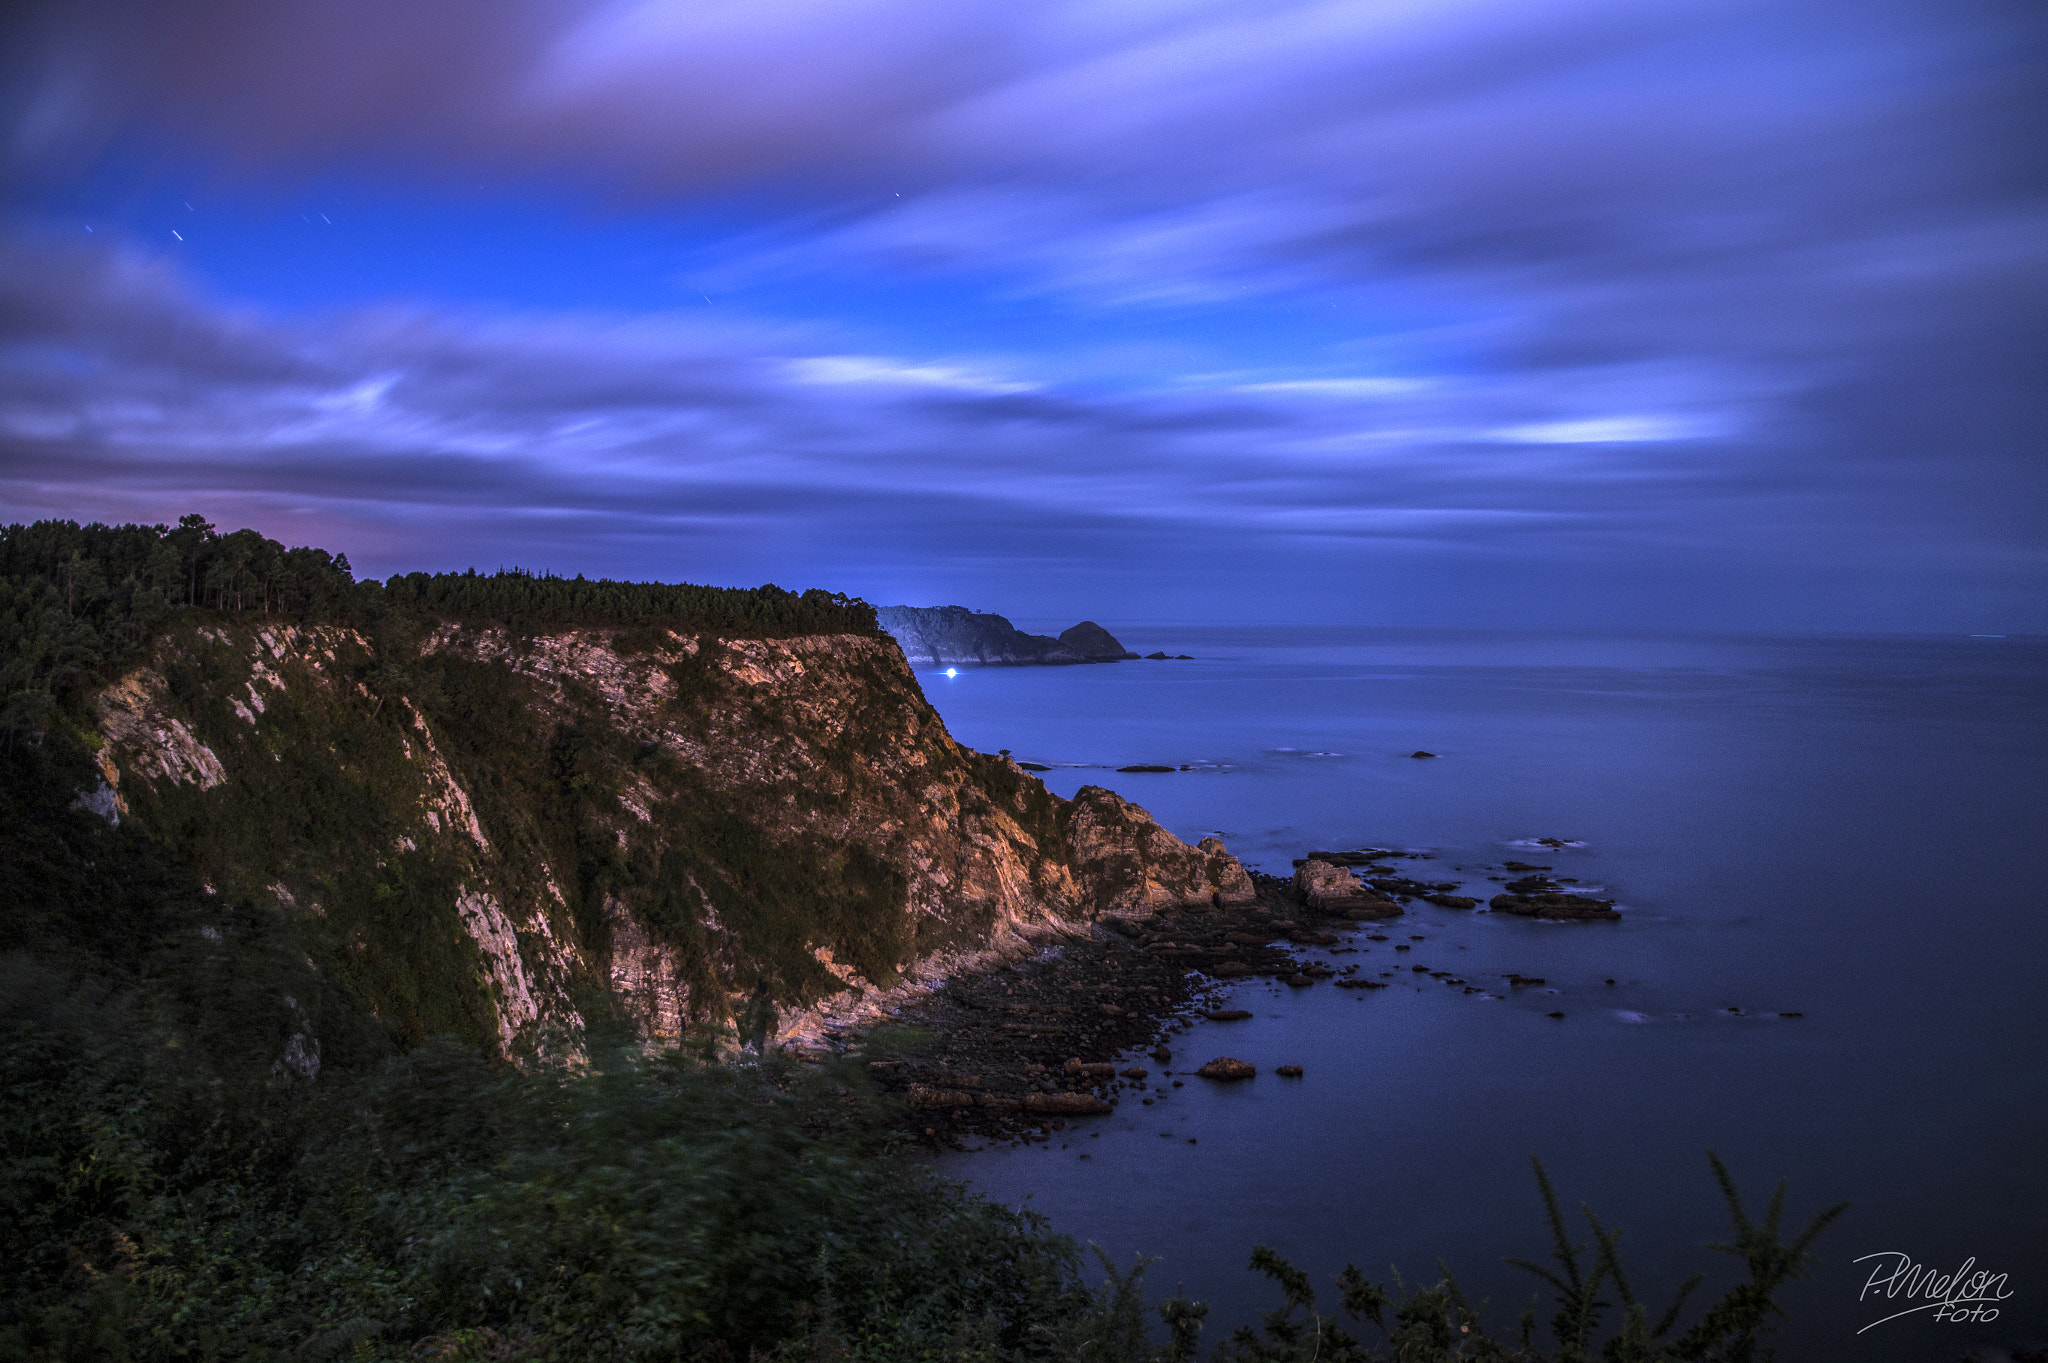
1535	313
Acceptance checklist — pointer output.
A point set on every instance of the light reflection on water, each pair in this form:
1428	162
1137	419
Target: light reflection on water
1840	828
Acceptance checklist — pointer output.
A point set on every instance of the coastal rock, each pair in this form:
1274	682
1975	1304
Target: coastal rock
1225	1067
1420	753
954	634
1451	901
1091	641
945	858
1135	867
1332	889
1288	1071
1553	905
1229	1014
1068	1104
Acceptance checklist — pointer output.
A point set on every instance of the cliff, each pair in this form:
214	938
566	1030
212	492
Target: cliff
507	834
1094	643
955	634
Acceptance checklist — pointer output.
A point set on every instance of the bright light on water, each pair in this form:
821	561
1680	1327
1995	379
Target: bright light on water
952	671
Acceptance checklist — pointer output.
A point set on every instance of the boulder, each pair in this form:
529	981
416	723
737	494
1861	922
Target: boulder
1332	889
1420	753
1224	1067
1451	901
1288	1071
1128	865
1229	1014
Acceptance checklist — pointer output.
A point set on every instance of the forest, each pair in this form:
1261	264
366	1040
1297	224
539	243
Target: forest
78	601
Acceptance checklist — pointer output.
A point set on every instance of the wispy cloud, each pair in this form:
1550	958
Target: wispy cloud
1622	291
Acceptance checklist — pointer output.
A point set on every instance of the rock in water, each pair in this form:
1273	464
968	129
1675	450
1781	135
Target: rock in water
1553	905
1224	1067
1091	641
1332	889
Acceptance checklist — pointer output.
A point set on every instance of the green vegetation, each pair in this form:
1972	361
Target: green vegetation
79	600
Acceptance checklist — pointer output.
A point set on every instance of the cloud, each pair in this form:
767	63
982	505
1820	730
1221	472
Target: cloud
1620	284
1607	430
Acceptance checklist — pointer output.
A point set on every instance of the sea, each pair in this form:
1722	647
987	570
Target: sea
1850	830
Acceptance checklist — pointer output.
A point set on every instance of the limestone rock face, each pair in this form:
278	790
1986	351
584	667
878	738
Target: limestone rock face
1093	642
494	823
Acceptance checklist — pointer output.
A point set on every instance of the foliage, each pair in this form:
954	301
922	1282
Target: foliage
176	1187
1435	1324
520	598
77	601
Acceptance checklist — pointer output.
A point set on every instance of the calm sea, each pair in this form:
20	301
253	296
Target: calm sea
1854	829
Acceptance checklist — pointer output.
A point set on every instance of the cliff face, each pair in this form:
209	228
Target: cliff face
955	634
507	837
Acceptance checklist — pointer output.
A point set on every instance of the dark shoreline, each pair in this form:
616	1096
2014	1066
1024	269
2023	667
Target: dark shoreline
991	1054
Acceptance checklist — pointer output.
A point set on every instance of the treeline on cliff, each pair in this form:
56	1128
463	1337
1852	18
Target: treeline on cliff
77	601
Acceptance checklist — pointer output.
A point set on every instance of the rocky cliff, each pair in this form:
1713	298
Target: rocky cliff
954	634
512	835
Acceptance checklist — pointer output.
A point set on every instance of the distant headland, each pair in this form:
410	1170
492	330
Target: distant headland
937	635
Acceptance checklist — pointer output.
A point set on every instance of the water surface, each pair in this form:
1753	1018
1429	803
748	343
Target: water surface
1844	828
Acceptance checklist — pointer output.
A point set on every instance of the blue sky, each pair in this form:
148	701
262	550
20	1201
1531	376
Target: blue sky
1492	312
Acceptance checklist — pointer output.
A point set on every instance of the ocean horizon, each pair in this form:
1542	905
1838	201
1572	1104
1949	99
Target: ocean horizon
1839	828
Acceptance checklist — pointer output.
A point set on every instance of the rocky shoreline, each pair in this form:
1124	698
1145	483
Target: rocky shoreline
1015	1052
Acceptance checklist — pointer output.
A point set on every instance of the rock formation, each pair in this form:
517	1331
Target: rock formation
1333	889
954	634
938	635
490	829
1091	641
